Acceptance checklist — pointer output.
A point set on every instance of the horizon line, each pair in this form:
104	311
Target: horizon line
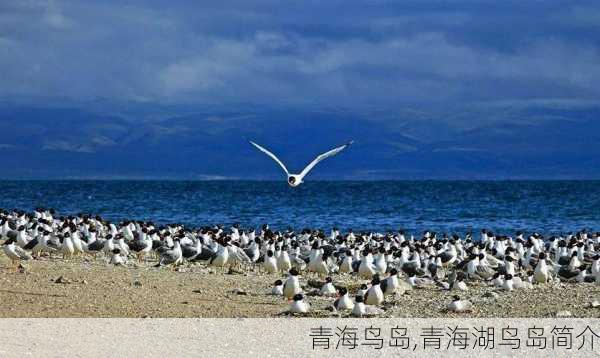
515	179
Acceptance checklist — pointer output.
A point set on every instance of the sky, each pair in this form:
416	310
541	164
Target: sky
416	59
303	52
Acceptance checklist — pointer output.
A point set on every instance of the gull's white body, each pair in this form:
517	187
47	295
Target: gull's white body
328	289
459	306
299	307
277	290
291	287
362	310
296	179
344	303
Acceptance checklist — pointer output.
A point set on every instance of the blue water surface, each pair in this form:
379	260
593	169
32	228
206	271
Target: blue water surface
448	206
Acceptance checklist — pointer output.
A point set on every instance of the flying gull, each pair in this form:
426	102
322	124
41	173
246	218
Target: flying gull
296	179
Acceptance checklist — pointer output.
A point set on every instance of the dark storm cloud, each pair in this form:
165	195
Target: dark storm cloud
372	53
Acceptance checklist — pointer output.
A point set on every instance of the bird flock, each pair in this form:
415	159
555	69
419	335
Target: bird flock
383	264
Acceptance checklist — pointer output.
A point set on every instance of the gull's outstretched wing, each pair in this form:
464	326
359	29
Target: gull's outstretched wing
323	156
270	155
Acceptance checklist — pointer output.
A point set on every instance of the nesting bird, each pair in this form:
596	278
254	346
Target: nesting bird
277	289
328	289
361	309
343	302
458	305
299	305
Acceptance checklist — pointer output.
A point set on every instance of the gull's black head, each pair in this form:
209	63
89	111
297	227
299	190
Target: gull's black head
292	180
298	297
375	280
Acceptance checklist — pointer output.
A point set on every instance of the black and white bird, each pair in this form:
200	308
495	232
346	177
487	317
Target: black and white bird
277	289
458	305
117	258
269	262
291	286
296	179
362	290
143	245
172	256
343	302
15	253
328	289
360	309
298	304
374	295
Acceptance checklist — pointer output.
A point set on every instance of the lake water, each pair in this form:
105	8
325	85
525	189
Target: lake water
448	206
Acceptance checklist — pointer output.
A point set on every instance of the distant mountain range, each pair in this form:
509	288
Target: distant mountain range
486	142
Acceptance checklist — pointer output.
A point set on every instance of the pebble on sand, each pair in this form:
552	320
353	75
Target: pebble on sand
563	314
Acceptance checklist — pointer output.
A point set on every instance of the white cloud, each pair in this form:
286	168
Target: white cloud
238	53
66	146
55	18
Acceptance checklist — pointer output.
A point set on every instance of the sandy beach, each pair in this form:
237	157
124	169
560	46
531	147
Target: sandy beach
91	288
